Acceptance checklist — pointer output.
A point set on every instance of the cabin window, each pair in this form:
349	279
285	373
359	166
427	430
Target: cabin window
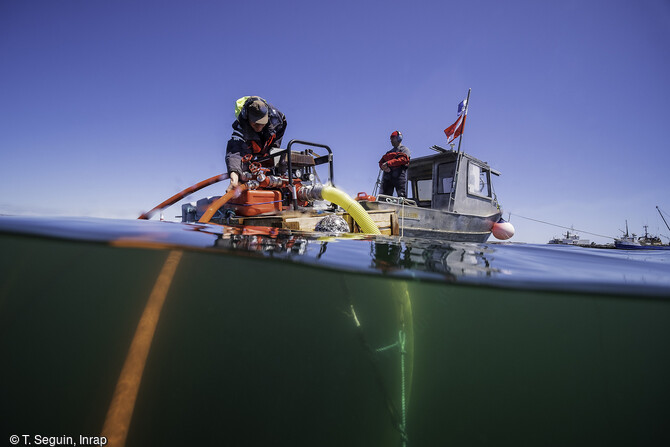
445	177
478	180
424	190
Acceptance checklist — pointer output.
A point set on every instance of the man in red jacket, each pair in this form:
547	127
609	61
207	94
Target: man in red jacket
394	163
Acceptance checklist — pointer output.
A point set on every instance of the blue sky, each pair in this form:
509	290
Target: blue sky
109	107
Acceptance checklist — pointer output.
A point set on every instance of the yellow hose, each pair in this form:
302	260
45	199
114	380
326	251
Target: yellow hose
352	207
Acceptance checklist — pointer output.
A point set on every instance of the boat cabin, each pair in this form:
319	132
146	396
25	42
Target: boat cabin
451	181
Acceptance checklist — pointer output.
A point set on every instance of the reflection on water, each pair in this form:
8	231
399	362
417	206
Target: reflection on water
452	258
277	243
542	267
269	337
386	256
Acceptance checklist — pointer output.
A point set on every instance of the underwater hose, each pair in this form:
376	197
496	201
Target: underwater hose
349	205
120	413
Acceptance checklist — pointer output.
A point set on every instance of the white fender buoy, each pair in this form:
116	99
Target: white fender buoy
502	230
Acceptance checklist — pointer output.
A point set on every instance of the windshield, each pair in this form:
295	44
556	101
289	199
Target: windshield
478	180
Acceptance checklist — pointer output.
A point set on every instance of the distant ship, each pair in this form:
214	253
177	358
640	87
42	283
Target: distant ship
647	242
570	239
626	241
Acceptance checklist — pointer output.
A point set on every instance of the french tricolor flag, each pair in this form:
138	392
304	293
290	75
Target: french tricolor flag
455	130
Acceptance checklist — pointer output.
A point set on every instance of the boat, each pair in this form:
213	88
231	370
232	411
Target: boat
452	198
569	239
632	242
626	241
649	239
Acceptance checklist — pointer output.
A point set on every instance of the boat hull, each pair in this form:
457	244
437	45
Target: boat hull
637	246
415	221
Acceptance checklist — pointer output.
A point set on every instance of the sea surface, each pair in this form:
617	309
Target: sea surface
271	337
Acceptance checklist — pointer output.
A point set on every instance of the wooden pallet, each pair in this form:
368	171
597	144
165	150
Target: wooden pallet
386	220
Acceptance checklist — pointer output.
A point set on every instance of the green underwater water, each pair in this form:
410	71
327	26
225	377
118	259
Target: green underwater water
253	350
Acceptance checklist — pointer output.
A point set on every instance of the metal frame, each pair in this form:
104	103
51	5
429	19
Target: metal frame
317	161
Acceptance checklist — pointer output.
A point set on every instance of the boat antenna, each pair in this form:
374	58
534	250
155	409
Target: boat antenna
465	113
437	148
659	212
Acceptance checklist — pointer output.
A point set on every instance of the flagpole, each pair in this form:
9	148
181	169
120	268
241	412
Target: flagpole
465	114
459	156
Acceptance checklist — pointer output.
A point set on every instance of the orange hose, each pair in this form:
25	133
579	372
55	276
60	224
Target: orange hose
218	203
177	197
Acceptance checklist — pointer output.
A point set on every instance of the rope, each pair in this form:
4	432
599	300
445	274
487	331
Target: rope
561	226
403	392
403	353
386	348
402	224
374	359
